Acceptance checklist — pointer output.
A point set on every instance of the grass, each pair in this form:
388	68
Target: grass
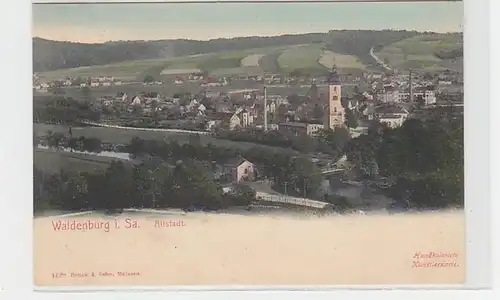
136	70
342	61
269	62
420	51
123	136
128	70
51	162
303	58
251	60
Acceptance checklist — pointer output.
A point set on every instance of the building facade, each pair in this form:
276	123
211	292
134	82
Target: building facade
298	128
334	116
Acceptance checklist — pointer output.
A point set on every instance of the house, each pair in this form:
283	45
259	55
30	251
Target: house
107	100
300	128
202	108
358	131
245	116
223	119
137	100
94	84
239	169
392	116
390	95
151	96
352	104
121	96
234	122
192	105
271	107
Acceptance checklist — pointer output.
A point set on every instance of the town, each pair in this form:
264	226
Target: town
286	111
387	98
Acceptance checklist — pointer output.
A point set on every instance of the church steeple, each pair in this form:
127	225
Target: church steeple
334	116
333	76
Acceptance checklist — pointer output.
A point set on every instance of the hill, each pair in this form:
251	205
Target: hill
425	52
310	53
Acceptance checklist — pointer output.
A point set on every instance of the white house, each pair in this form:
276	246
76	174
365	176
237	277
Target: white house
389	96
202	108
136	100
393	116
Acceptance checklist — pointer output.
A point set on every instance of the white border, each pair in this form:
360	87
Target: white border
16	186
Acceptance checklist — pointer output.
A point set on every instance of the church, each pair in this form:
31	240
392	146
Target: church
335	115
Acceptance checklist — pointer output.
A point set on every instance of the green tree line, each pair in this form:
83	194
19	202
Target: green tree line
424	157
187	185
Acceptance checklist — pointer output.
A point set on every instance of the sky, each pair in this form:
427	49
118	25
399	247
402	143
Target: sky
96	23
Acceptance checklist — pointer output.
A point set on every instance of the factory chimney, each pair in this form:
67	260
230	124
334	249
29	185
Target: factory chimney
265	109
411	86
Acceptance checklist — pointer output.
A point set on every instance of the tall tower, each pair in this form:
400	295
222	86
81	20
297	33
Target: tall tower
334	116
265	109
411	86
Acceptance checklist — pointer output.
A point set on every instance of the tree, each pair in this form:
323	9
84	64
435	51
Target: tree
356	90
193	188
351	119
318	112
118	191
87	94
240	195
92	145
149	79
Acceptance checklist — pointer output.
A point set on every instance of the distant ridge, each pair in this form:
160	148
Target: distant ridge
52	55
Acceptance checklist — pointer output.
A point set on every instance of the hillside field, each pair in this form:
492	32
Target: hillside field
50	161
416	52
420	52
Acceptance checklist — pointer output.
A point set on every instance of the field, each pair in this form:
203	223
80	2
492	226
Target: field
329	59
419	52
249	61
130	70
51	162
303	58
123	136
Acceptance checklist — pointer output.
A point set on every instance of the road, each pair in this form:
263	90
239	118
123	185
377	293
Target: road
279	198
148	129
381	62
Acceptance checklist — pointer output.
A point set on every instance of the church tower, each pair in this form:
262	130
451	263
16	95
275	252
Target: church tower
334	116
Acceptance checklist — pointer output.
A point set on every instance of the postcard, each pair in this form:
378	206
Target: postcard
248	144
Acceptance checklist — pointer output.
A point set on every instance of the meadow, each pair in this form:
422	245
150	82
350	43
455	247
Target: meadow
328	59
129	70
51	162
303	58
419	52
123	136
249	61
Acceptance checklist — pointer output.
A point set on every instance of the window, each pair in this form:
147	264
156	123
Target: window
334	109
